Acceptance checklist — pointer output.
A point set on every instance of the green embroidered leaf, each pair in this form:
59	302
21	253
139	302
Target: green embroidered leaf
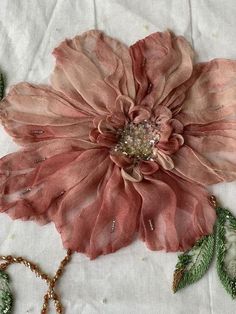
6	298
226	250
194	263
1	86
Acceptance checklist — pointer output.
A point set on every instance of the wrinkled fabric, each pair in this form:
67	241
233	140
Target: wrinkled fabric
179	213
69	171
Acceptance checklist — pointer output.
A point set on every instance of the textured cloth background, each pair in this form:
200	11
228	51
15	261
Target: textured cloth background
134	280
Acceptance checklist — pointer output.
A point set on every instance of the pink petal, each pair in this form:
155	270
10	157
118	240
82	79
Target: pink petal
192	166
107	140
32	191
116	222
121	160
148	167
209	156
100	221
26	160
76	211
132	174
34	113
208	114
163	160
212	96
161	62
95	67
174	214
139	114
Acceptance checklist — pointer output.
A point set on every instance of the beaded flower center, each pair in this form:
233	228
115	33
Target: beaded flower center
138	140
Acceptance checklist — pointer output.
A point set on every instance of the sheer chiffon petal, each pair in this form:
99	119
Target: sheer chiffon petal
209	116
192	166
174	213
102	222
117	220
33	113
95	67
161	62
212	94
29	191
76	211
25	160
210	153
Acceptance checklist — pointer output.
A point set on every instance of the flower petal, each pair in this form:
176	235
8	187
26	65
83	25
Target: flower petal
192	166
161	62
212	96
31	193
148	167
33	113
98	223
76	211
163	160
117	220
26	160
208	114
120	160
209	156
96	67
174	214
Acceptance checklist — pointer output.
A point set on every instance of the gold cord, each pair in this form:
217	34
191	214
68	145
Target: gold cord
50	281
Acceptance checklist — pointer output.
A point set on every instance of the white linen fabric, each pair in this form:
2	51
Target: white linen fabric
134	280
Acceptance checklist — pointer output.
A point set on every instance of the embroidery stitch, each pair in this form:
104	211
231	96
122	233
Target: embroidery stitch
189	270
6	297
193	264
1	86
226	222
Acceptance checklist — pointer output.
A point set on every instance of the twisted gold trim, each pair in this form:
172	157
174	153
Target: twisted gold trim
50	281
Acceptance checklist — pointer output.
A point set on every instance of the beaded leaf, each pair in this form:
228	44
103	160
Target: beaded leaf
1	86
225	250
194	263
6	298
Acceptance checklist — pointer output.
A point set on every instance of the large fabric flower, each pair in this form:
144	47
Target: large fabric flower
125	140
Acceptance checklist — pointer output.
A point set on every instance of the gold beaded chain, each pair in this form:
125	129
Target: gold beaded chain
50	281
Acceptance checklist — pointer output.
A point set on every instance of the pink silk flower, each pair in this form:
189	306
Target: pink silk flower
123	141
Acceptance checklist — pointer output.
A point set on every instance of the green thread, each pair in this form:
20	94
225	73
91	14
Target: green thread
6	298
1	86
225	221
194	263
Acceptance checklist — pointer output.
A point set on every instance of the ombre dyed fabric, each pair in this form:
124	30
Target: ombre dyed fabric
123	142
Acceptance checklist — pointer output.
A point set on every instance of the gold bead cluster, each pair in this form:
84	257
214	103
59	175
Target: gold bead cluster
138	140
213	201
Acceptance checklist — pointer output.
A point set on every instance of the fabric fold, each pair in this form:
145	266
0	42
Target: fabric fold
174	214
161	62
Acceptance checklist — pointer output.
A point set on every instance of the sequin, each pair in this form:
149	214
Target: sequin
138	140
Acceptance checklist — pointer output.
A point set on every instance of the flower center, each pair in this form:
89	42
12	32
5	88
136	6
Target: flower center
138	140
